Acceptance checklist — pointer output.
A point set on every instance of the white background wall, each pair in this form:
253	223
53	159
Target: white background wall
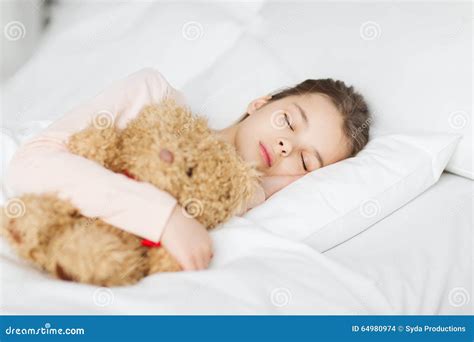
21	22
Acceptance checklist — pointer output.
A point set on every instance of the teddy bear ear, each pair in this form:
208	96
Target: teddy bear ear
162	111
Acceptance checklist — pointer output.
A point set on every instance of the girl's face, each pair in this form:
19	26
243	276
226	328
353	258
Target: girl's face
291	136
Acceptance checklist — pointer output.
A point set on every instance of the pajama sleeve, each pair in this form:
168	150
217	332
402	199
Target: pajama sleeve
44	164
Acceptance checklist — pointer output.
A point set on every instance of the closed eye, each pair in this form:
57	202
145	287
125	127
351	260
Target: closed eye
291	127
288	122
304	164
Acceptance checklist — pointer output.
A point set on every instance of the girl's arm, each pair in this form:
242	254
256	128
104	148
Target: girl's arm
44	164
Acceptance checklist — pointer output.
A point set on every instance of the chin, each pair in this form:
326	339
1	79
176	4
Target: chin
250	152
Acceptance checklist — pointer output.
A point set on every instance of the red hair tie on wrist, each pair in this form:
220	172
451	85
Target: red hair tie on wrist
148	243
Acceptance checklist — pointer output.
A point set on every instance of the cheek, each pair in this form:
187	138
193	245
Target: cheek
287	167
244	144
247	141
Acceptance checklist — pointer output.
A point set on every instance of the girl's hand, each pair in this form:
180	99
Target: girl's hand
187	241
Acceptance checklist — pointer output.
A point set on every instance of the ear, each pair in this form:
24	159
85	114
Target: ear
257	103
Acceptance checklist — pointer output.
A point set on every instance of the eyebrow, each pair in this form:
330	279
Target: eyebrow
306	121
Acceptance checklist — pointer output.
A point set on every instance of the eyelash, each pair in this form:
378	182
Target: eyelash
289	125
288	122
304	165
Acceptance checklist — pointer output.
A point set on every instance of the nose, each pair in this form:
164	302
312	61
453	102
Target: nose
284	146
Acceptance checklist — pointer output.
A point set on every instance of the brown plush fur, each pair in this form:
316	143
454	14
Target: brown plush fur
207	177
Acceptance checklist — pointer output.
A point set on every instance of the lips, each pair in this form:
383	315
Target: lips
265	154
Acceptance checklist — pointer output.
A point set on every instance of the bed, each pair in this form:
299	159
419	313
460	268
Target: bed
418	260
409	263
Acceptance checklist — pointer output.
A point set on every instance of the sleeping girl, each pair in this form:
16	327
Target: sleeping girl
287	134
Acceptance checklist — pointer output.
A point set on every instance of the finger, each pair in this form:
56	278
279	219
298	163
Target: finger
189	265
199	261
204	258
210	250
210	247
207	260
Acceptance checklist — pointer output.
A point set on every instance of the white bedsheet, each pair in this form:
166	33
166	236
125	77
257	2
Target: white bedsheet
421	256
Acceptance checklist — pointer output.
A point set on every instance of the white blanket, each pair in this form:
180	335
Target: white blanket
252	272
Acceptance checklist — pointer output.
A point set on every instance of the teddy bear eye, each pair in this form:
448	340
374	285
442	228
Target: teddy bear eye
189	171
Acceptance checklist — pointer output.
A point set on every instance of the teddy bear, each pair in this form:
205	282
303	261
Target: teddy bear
205	174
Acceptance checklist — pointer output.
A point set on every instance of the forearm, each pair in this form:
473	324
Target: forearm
44	164
136	207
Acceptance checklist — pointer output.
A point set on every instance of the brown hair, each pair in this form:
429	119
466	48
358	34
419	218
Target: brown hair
351	104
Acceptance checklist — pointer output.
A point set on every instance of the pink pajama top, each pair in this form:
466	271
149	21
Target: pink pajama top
44	164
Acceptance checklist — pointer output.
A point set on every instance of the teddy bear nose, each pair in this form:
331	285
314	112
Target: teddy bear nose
166	156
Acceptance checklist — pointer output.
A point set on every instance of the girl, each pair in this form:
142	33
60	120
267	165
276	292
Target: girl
289	133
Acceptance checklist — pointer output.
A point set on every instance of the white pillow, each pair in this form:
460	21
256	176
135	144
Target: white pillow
243	11
403	76
330	205
244	72
392	170
415	72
